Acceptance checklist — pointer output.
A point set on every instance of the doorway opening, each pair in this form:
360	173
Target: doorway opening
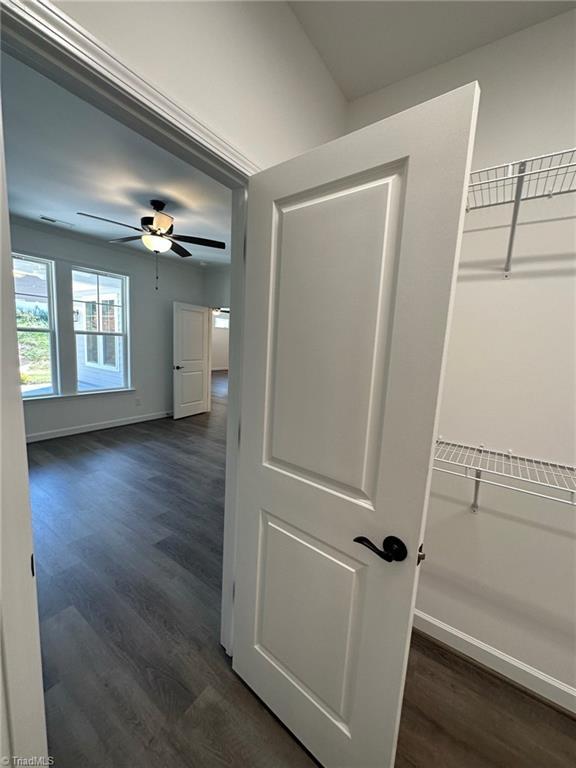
129	604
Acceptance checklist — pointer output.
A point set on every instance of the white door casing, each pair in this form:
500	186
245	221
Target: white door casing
21	699
351	259
191	367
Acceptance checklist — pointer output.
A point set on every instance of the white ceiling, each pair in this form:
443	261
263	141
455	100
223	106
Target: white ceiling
64	155
369	45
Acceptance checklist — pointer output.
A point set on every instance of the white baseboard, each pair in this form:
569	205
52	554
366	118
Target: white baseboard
528	677
35	437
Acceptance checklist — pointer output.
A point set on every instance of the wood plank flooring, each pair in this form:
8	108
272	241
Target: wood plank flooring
128	536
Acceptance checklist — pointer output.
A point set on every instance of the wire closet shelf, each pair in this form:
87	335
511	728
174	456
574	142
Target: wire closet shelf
546	176
545	479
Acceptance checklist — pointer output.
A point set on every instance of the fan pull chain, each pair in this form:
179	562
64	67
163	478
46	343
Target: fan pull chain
156	267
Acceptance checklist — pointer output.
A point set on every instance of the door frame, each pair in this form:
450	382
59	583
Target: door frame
46	39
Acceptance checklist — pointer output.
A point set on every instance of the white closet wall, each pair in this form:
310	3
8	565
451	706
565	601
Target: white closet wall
506	577
246	70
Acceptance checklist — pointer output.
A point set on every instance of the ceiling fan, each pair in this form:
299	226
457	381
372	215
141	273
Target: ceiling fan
156	232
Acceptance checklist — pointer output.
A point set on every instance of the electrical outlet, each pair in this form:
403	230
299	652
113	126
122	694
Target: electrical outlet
138	401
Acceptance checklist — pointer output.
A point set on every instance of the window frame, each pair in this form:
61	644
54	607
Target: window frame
124	334
52	329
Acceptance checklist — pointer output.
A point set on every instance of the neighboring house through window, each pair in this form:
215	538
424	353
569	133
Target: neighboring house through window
100	329
101	351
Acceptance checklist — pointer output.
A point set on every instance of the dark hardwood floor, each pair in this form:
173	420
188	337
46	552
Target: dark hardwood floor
128	532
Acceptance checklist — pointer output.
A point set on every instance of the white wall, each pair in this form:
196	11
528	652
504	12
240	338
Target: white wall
217	286
507	576
220	339
527	80
246	70
217	294
150	322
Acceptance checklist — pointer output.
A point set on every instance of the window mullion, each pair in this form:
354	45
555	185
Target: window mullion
66	335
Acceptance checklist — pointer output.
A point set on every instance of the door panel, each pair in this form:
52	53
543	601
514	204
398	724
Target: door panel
350	265
291	620
334	268
191	334
193	385
191	370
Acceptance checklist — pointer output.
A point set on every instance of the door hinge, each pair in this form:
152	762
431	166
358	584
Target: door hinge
239	432
32	565
421	554
233	590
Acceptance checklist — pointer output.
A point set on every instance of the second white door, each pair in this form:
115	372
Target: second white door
191	367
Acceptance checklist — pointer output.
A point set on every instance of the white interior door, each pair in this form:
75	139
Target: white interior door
191	367
351	259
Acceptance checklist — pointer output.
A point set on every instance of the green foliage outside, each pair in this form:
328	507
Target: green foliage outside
31	317
34	348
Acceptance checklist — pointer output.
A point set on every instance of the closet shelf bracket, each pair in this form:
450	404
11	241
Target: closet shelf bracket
515	212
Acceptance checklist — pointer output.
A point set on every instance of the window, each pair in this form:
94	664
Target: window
99	343
33	285
100	330
221	318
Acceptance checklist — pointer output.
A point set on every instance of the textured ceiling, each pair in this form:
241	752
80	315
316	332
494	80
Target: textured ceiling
369	45
64	155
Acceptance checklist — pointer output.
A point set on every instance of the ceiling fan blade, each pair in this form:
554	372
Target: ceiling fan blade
110	221
179	250
199	241
125	239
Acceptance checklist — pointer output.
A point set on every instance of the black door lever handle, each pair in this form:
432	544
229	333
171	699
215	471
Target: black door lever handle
393	548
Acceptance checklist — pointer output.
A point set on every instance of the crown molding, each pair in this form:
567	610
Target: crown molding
40	26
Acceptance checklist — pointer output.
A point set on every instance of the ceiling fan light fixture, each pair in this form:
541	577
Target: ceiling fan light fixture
162	222
156	233
156	243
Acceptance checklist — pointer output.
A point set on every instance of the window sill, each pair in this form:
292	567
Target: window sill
79	394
